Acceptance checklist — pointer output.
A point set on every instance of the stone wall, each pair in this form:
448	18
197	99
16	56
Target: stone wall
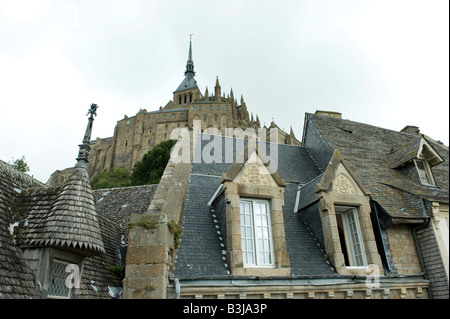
303	289
403	249
152	237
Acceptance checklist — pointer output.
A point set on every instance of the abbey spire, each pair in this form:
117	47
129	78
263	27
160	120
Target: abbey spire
188	86
190	61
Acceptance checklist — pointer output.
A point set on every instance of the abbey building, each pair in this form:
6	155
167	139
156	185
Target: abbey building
136	135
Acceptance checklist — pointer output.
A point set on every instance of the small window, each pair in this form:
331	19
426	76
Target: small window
181	115
350	236
218	107
256	233
200	107
179	100
205	118
185	99
210	107
173	116
164	116
190	97
424	171
216	118
126	143
226	107
128	122
192	108
57	285
148	118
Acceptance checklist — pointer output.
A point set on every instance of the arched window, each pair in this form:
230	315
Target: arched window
205	118
216	118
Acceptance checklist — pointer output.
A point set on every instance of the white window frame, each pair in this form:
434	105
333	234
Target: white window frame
347	212
425	175
256	234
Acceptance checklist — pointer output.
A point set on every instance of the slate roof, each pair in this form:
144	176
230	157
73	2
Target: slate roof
16	278
404	153
117	204
24	198
189	82
201	254
368	151
114	207
61	216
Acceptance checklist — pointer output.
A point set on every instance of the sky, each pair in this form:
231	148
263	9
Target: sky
384	63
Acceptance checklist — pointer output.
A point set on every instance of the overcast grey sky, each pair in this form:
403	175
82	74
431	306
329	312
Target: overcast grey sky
384	63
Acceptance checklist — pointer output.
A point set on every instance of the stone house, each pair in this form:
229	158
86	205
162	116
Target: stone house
353	211
349	214
405	174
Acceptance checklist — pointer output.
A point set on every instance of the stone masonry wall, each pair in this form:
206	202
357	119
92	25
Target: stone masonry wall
404	251
151	239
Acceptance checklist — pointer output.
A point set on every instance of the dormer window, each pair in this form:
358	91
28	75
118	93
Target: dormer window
350	236
424	171
256	234
422	153
252	215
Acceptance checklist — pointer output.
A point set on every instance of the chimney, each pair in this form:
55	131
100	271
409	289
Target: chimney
411	129
329	113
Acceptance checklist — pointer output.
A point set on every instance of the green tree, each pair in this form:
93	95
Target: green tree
150	169
115	177
20	164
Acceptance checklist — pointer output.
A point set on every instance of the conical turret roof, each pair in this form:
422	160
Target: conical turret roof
63	216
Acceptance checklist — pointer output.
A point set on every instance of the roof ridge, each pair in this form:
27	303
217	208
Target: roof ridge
10	169
365	124
124	187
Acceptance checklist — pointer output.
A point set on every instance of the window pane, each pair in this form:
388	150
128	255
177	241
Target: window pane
247	244
352	238
255	231
57	285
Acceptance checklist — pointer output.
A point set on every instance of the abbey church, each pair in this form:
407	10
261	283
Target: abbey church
134	136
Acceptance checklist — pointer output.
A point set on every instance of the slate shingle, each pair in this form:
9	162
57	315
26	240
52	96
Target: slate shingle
200	253
371	152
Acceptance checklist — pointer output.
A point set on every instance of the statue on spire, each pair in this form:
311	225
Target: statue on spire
83	153
93	112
